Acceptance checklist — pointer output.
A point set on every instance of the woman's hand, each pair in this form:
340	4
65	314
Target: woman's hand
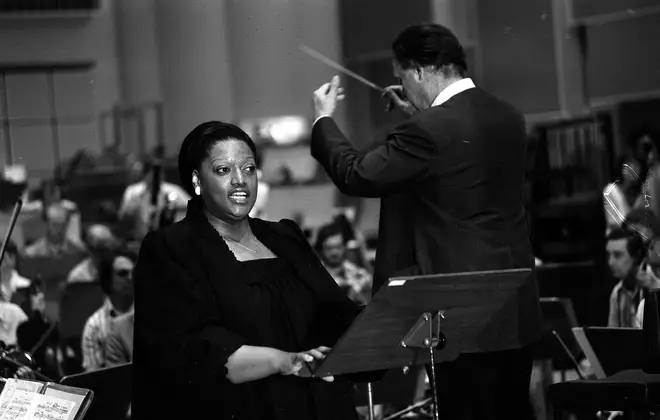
293	363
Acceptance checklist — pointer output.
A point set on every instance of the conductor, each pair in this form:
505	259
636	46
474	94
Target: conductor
450	179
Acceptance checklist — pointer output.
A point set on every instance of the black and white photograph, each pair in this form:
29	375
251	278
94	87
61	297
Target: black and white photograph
330	209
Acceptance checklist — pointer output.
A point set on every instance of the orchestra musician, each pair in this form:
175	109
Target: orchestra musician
229	308
450	179
152	202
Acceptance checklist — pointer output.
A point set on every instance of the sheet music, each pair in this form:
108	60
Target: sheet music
76	399
27	385
52	408
18	404
7	393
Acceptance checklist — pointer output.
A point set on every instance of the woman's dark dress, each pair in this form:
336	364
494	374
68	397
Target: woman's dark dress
284	310
196	305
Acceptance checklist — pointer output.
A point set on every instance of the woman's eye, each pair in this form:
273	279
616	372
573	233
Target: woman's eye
221	170
250	168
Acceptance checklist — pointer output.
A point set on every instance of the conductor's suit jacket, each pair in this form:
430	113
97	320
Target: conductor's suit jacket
450	179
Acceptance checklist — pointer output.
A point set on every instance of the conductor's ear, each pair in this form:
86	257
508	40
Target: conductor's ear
418	72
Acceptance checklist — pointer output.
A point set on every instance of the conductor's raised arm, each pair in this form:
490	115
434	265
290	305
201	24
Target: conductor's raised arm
404	158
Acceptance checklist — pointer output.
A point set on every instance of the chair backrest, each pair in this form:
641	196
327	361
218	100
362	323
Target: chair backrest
79	302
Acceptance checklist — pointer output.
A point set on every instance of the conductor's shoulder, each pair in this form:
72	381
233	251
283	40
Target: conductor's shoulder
495	103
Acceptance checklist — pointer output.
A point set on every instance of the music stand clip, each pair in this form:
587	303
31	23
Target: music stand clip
426	332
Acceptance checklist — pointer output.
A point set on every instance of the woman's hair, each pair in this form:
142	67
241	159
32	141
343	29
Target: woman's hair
106	267
198	143
430	45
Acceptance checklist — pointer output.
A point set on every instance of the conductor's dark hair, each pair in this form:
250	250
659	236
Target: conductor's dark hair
430	45
198	143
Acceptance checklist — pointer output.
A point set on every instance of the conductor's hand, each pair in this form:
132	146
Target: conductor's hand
396	99
326	98
294	363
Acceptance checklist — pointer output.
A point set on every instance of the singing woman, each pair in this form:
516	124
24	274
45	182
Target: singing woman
230	308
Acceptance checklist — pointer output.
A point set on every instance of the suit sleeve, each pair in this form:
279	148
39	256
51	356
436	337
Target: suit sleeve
406	156
176	324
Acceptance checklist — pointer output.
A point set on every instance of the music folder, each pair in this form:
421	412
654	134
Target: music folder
30	399
476	312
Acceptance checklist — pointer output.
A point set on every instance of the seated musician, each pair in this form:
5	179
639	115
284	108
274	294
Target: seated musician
331	245
229	309
11	315
649	276
116	281
100	242
55	242
624	255
40	336
137	205
10	280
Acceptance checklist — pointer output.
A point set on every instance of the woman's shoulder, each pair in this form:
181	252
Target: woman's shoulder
283	226
177	231
177	236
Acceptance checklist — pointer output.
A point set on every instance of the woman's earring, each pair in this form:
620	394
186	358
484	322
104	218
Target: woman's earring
198	190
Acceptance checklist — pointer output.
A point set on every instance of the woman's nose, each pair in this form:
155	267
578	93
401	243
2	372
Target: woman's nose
238	178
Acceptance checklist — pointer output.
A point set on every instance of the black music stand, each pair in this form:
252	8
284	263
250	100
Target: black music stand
558	343
611	350
410	317
112	388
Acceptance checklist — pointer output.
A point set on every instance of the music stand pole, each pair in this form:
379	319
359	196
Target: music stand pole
426	334
370	395
435	384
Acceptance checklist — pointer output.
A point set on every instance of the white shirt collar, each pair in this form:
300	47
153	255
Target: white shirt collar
453	89
111	311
